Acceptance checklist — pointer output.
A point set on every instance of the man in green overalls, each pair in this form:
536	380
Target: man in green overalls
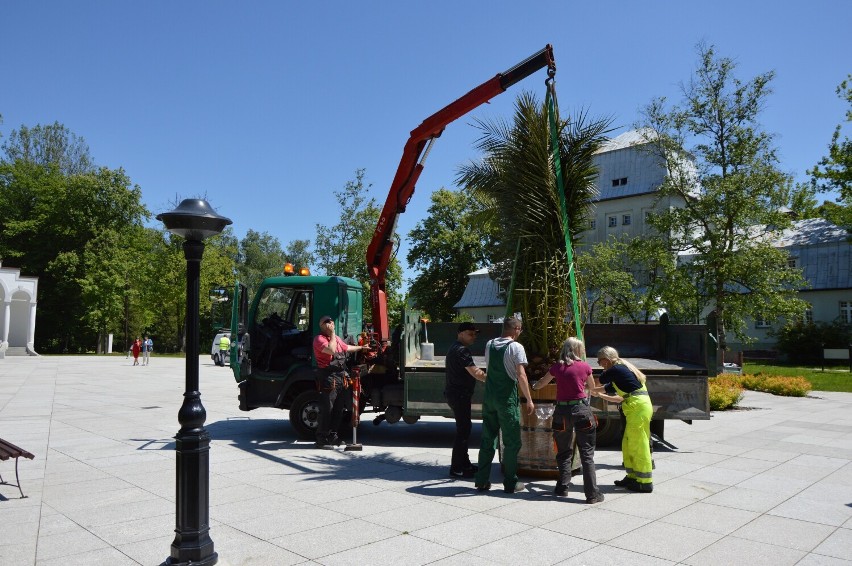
505	359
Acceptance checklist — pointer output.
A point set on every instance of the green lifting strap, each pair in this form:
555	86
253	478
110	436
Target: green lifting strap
560	188
509	303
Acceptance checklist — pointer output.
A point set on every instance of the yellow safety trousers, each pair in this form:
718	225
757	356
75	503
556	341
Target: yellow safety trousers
635	445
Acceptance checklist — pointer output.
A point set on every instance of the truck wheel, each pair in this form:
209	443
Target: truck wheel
304	415
609	432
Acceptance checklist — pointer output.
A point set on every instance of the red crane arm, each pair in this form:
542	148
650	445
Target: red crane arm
411	165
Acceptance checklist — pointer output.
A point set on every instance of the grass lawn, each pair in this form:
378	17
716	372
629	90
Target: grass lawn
835	378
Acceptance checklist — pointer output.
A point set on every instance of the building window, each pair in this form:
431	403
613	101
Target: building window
612	221
809	315
761	322
846	311
625	220
491	318
619	182
593	224
792	262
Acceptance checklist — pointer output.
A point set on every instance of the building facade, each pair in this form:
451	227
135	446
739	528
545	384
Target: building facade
17	312
824	254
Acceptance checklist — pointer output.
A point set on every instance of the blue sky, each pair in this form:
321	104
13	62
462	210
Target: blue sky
267	108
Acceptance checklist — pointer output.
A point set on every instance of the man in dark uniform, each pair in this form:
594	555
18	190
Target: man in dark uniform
462	374
330	353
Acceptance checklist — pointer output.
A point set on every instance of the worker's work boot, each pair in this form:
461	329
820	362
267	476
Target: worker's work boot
519	487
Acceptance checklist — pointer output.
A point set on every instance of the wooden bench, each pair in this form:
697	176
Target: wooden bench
9	450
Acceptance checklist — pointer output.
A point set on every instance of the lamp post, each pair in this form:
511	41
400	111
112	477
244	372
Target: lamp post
194	220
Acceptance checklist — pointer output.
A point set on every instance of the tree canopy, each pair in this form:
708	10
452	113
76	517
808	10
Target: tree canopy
260	256
453	240
73	225
341	249
516	181
723	169
834	171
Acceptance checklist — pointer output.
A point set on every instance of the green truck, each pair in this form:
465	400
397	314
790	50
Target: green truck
273	363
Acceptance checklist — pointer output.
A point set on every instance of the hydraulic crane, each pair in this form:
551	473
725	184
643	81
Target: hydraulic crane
411	165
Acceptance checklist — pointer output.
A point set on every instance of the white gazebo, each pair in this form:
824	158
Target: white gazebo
17	312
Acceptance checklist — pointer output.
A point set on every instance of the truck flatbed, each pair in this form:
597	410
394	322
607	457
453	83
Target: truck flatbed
656	367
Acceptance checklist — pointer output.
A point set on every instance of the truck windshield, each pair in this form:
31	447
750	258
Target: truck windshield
275	300
289	304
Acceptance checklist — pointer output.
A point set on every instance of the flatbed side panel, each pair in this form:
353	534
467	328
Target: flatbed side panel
631	340
688	343
678	390
673	396
679	397
424	390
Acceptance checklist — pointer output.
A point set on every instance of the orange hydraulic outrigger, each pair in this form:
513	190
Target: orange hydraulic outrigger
411	165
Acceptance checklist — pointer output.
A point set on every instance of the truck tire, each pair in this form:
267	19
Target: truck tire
609	431
304	414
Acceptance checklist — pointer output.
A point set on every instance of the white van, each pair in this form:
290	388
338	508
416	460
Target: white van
220	358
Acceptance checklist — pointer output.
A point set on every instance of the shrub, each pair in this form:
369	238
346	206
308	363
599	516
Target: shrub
803	341
725	391
786	386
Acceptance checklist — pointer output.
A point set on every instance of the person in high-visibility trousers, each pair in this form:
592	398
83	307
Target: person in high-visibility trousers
623	383
224	350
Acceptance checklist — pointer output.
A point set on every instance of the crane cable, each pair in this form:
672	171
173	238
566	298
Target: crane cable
552	110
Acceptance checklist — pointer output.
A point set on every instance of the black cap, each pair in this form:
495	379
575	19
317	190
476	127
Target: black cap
325	319
465	326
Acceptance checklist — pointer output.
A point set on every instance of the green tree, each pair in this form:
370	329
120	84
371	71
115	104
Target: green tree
167	284
298	252
260	256
622	278
109	263
836	214
218	266
51	145
834	171
516	180
48	220
732	196
341	249
449	243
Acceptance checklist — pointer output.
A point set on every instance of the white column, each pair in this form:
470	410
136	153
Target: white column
7	314
31	330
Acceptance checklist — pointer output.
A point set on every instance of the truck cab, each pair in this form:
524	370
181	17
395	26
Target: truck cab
272	355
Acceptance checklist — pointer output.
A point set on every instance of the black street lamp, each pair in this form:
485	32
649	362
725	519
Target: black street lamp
194	220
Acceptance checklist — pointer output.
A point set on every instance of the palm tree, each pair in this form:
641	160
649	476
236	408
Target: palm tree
516	178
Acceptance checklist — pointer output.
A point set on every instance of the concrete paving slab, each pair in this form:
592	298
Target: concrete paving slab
532	546
781	531
836	545
769	485
666	541
733	550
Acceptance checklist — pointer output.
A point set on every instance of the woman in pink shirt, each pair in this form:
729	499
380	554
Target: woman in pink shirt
573	376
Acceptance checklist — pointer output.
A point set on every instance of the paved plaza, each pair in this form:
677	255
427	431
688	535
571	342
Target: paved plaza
769	484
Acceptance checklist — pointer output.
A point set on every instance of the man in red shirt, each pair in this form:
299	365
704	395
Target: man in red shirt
330	353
